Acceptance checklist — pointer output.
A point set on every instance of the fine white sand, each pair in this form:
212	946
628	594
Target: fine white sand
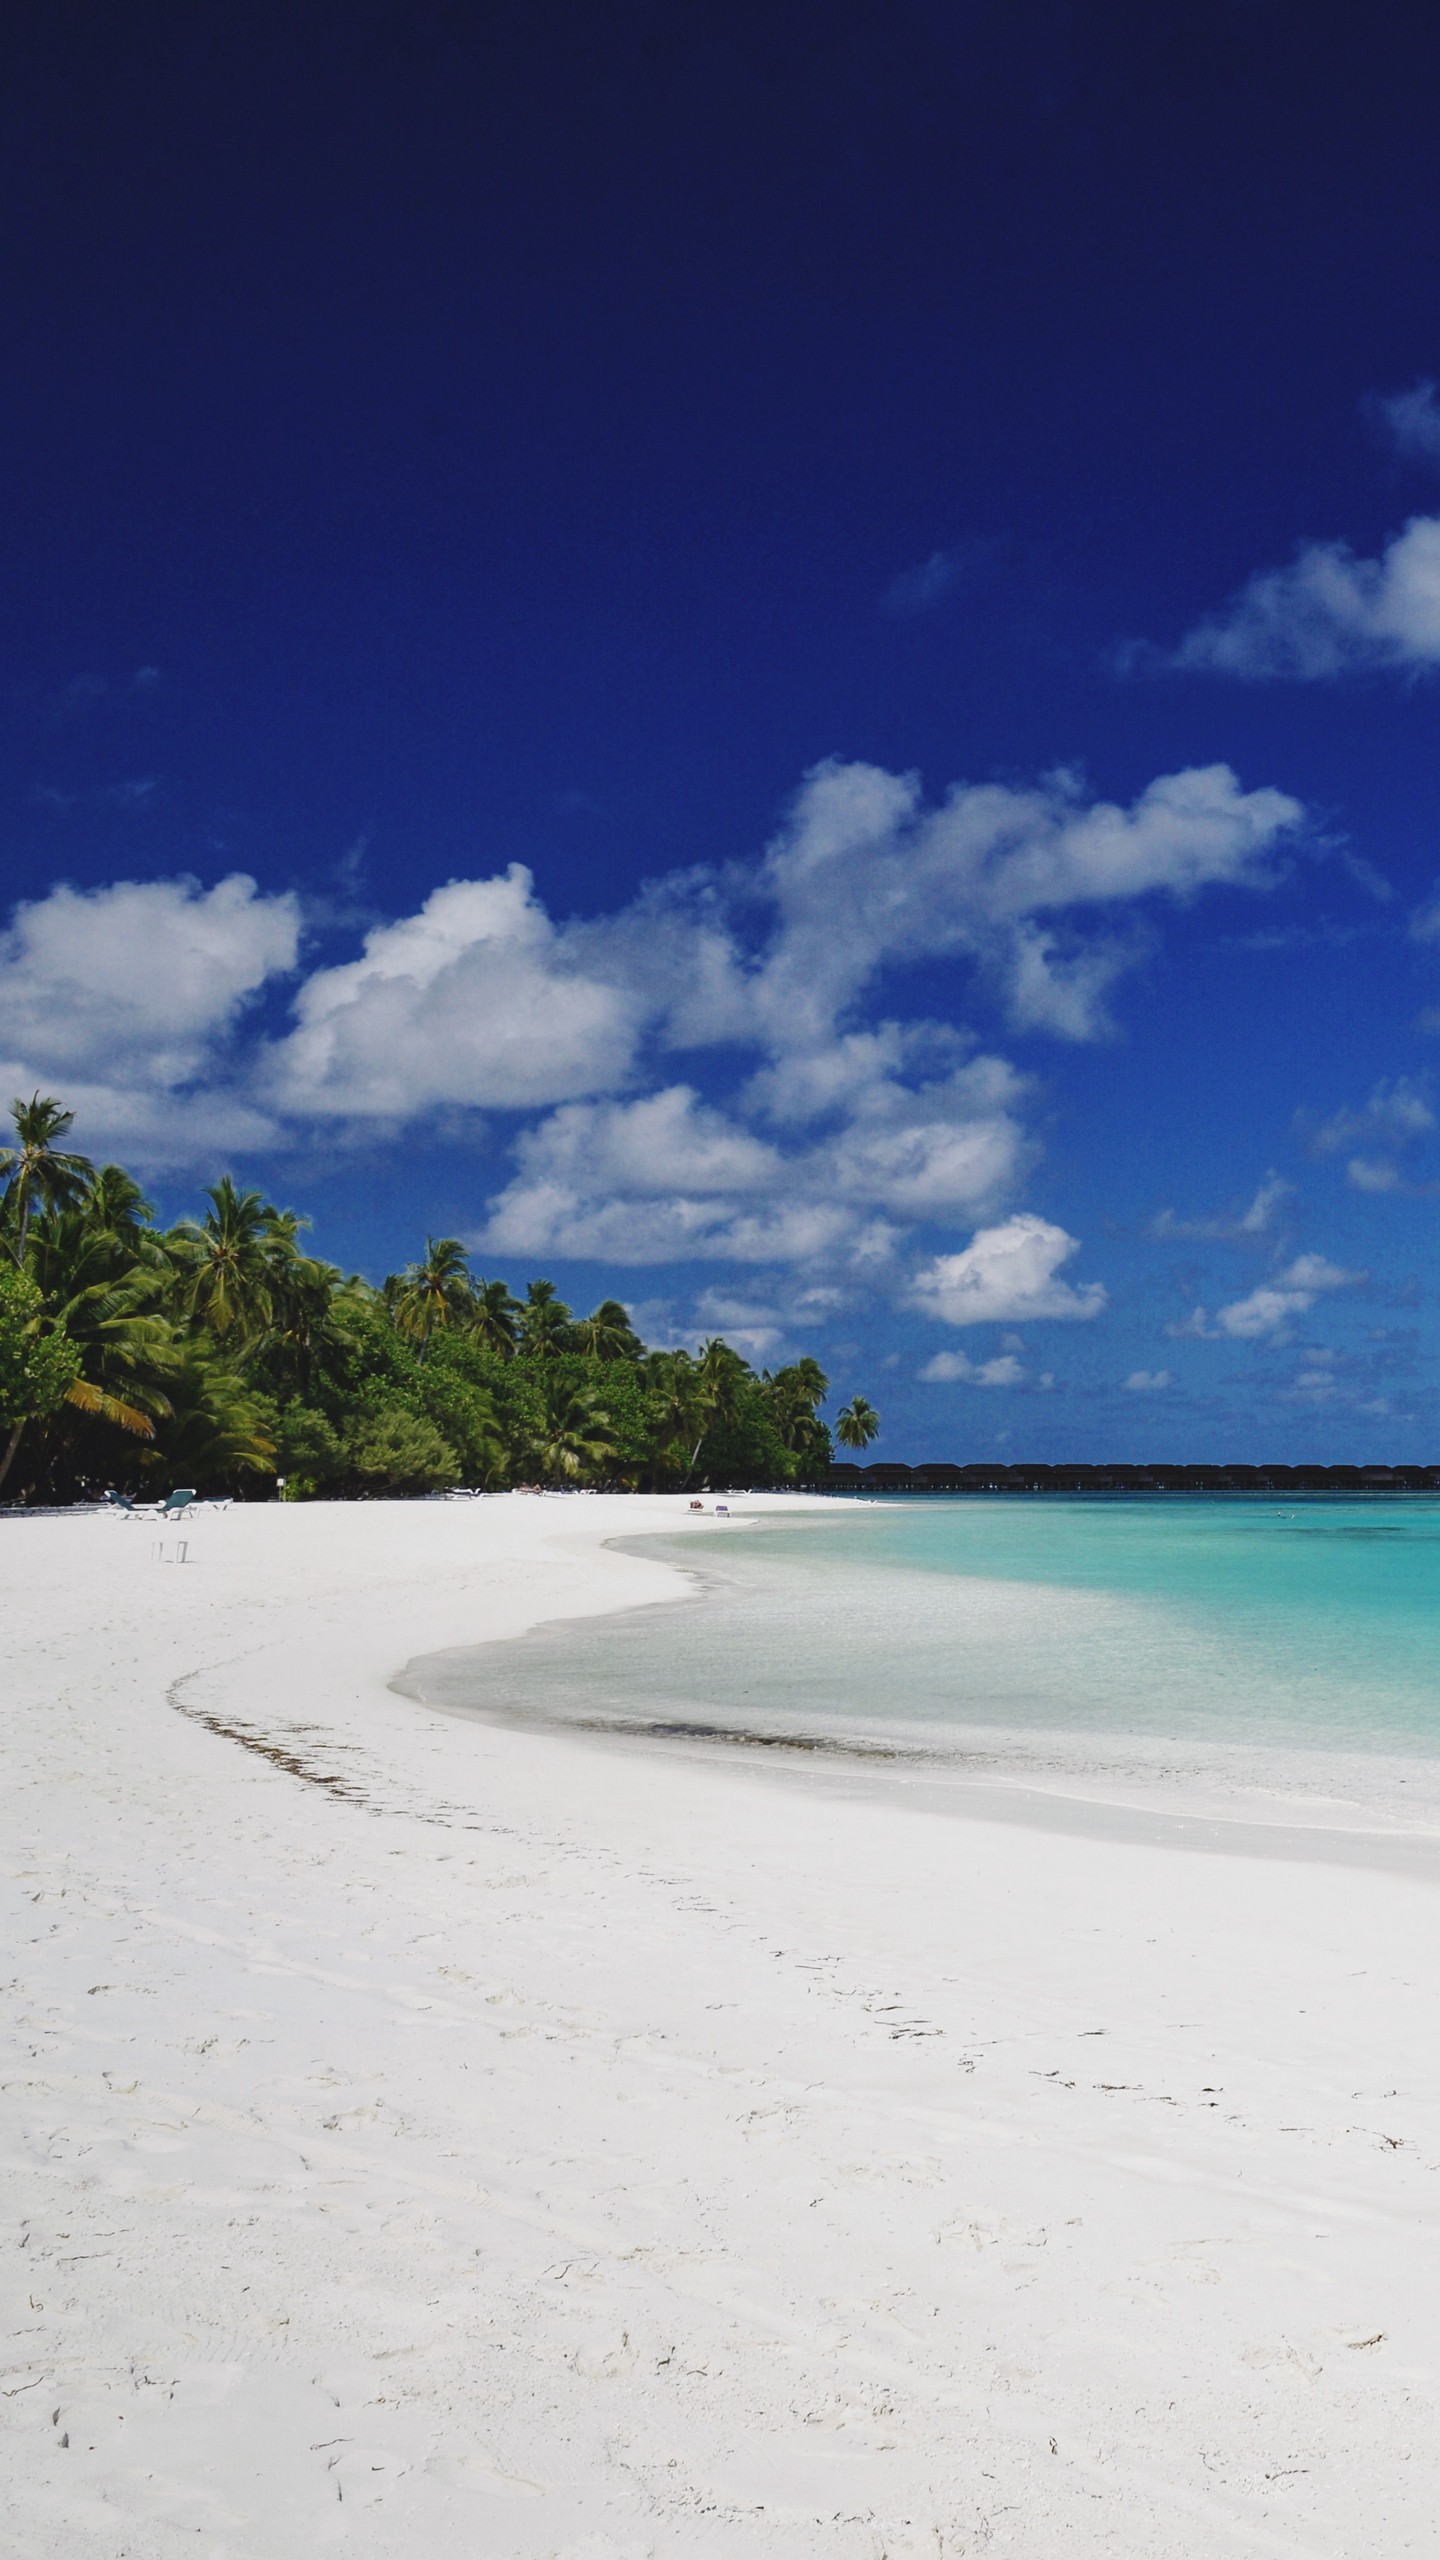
428	2137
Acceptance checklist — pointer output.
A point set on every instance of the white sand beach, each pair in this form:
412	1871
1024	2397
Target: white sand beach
428	2137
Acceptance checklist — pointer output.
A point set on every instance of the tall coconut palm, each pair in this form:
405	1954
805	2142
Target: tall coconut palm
607	1333
36	1171
544	1321
106	1296
575	1435
718	1376
857	1424
307	1303
216	1427
679	1406
434	1293
723	1373
795	1391
99	1293
117	1204
495	1318
225	1264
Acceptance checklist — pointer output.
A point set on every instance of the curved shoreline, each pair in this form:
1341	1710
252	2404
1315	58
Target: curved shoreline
1257	1799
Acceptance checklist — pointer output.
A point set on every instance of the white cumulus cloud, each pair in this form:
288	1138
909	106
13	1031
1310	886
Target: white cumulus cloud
148	972
473	1000
668	1175
864	876
1008	1274
127	1000
843	1129
1328	612
1147	1382
949	1368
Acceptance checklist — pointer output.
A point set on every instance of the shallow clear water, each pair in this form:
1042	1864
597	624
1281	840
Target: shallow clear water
978	1627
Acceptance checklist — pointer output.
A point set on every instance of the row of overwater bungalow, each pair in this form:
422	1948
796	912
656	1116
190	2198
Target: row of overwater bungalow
985	1477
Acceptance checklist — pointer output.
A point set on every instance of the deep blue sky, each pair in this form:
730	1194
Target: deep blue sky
442	437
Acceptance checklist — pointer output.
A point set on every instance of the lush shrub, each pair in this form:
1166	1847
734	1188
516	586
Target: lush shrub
395	1451
37	1366
309	1452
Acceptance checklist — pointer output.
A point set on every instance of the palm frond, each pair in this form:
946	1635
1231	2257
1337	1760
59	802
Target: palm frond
96	1400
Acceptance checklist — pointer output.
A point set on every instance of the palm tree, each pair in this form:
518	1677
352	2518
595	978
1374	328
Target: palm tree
607	1333
718	1376
99	1290
680	1408
226	1262
305	1298
724	1373
216	1427
794	1393
574	1438
493	1323
36	1169
118	1204
544	1321
107	1302
857	1424
106	1277
435	1292
811	1377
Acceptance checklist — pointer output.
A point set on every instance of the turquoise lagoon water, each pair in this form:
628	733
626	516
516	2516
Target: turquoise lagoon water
1108	1649
1074	1632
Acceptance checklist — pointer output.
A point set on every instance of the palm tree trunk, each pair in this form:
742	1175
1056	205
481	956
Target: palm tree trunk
22	1193
10	1448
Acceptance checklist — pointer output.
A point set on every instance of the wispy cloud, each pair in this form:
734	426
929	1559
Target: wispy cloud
930	581
101	795
1397	1114
1148	1382
1324	935
1409	421
1239	1225
1425	921
1266	1313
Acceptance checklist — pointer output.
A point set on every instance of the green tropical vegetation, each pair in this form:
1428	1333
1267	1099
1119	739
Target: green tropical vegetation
218	1352
857	1424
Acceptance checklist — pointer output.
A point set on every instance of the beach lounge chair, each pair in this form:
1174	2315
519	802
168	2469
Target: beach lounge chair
116	1502
176	1502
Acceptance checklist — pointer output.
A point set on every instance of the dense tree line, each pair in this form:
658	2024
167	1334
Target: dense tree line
219	1353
